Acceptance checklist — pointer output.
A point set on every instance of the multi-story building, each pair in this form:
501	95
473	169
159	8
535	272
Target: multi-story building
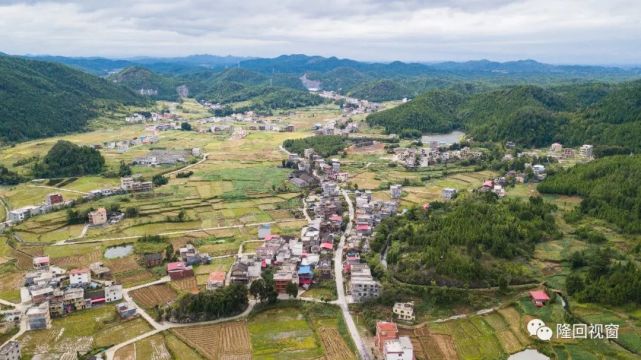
98	217
38	317
113	292
10	351
404	311
79	277
399	349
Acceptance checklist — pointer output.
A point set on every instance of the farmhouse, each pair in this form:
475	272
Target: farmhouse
54	199
38	317
79	277
281	279
385	331
152	259
41	262
113	292
399	349
216	280
131	184
98	217
126	310
404	311
539	297
21	214
100	271
179	270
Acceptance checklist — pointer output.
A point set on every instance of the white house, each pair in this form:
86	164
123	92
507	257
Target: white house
113	293
404	311
79	277
399	349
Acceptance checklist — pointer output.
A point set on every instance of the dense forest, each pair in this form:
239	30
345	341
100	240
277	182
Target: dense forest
610	189
66	159
325	146
476	241
208	305
600	278
593	113
40	99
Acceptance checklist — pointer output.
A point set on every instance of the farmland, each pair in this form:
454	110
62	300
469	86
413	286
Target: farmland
81	331
218	342
155	295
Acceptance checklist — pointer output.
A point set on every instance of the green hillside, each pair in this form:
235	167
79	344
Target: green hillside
39	99
137	78
600	114
610	189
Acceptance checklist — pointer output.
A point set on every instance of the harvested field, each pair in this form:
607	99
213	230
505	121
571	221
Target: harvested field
123	264
24	261
431	346
218	342
334	345
76	261
186	285
153	348
133	277
154	295
126	353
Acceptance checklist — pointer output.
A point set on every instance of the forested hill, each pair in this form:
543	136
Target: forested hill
474	241
39	99
594	113
610	189
138	78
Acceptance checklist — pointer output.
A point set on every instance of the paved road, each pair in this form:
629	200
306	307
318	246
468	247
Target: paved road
188	166
309	219
340	286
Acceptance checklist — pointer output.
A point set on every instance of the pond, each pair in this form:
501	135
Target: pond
119	251
443	139
528	354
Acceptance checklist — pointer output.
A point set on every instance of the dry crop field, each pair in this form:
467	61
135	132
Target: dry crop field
218	342
151	296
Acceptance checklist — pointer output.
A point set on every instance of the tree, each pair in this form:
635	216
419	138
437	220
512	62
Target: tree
185	126
159	180
131	212
257	289
574	284
124	170
68	159
292	290
169	252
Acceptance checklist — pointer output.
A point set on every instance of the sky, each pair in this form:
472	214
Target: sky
552	31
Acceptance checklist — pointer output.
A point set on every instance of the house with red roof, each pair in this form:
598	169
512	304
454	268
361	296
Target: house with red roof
179	270
539	297
385	331
216	280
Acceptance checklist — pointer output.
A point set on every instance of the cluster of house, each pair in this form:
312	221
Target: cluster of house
189	257
312	166
166	157
390	344
351	106
52	202
122	146
335	128
558	151
50	291
255	123
144	117
423	157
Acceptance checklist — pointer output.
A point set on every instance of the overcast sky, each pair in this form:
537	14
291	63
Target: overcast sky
554	31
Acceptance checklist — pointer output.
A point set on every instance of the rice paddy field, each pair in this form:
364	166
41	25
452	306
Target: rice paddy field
307	331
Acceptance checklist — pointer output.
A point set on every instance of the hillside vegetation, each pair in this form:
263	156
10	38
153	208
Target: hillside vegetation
610	189
476	241
529	115
40	99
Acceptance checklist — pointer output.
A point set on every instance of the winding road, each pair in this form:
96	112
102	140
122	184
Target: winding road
340	285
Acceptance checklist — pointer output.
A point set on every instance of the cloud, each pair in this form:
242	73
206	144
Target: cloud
568	31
